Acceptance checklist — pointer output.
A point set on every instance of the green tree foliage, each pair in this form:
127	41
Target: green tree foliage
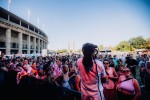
123	46
148	43
80	50
100	47
62	51
137	42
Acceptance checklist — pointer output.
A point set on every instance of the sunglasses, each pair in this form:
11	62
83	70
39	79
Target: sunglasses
126	71
106	63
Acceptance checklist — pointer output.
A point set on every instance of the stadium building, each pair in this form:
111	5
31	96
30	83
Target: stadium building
17	36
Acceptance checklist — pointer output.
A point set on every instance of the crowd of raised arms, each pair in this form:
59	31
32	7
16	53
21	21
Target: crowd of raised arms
62	71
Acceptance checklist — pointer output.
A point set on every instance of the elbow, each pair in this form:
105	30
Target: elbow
138	93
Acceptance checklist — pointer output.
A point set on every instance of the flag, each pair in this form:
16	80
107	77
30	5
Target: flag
9	1
38	21
29	13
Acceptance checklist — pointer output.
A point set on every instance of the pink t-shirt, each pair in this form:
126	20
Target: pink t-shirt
89	81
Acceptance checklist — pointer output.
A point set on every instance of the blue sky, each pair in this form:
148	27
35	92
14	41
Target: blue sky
105	22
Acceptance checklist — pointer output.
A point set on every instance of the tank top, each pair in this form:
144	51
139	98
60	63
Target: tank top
65	80
110	83
128	86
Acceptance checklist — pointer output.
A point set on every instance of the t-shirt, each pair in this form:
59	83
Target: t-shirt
89	81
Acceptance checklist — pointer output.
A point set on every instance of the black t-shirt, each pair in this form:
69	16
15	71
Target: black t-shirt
2	63
131	62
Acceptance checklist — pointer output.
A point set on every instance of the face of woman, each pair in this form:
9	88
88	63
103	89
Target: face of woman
127	72
26	61
66	69
34	65
106	63
121	68
58	62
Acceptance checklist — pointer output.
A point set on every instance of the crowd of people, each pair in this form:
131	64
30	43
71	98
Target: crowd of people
84	73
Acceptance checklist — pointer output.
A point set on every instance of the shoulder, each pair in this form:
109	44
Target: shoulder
113	68
121	78
98	62
28	65
79	60
134	80
136	84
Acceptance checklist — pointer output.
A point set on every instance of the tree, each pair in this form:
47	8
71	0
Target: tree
137	42
100	47
148	43
62	51
123	46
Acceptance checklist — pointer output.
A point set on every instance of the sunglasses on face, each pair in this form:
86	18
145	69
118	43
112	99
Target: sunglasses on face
126	71
106	63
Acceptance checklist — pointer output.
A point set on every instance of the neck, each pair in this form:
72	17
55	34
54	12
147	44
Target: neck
65	72
107	67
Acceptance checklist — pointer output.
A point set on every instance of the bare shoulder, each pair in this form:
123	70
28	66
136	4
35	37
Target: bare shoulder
135	80
79	61
121	78
113	68
99	62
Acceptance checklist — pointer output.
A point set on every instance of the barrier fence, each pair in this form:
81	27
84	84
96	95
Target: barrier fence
30	87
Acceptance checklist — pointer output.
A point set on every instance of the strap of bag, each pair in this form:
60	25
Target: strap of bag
98	80
126	80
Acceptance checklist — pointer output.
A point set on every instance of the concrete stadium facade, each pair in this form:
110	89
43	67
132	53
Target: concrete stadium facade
17	36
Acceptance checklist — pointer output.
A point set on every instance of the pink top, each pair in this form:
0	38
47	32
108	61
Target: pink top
89	81
128	86
110	84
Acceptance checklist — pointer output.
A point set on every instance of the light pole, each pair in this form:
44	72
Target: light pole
9	1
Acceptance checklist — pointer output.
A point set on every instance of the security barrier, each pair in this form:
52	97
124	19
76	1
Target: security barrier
30	87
